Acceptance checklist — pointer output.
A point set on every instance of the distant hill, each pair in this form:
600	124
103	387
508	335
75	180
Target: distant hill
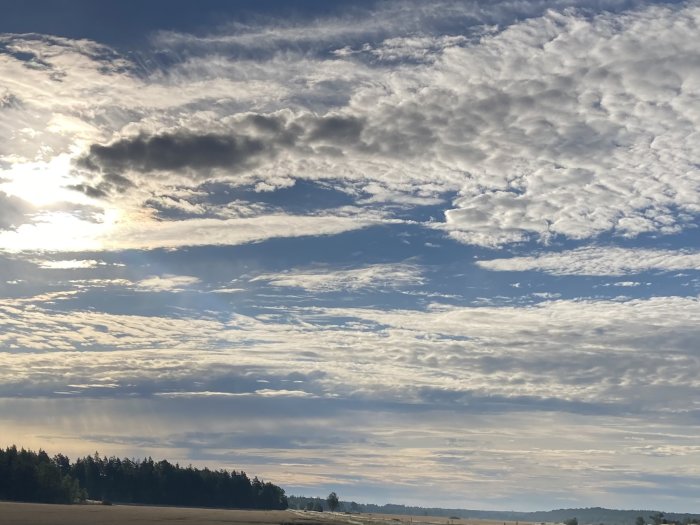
586	516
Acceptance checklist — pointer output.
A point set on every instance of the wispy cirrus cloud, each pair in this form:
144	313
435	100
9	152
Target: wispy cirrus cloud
63	232
373	277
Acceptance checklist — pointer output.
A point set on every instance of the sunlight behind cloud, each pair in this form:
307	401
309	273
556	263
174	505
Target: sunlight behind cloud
43	183
59	232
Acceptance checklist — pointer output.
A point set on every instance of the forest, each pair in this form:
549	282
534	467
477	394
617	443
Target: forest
34	476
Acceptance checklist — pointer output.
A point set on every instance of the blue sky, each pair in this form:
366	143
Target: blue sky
438	254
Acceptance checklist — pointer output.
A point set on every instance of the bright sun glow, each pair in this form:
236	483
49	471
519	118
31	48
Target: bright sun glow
46	187
60	231
43	183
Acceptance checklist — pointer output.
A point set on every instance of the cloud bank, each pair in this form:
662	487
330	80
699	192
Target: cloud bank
597	260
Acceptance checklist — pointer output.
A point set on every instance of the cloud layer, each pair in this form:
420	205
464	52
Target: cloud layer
565	391
633	356
551	127
599	261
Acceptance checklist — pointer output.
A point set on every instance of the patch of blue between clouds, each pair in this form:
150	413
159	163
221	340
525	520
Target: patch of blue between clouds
449	274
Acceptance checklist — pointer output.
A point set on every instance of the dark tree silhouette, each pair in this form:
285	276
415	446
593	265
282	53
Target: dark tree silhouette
332	501
161	482
658	518
30	476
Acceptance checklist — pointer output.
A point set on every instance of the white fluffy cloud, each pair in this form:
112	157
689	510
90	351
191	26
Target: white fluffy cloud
598	260
564	130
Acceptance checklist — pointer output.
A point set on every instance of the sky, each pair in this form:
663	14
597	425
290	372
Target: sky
434	253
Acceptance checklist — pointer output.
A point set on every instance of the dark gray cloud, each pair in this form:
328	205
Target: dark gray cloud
173	151
110	183
260	137
201	152
191	153
337	129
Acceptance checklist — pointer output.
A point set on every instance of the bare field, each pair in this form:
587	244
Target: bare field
402	519
41	514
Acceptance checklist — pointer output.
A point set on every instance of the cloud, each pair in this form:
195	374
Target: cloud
453	389
519	121
66	233
598	260
356	28
192	154
613	356
69	264
12	210
262	392
337	130
173	152
168	283
489	457
228	290
545	144
373	277
541	149
551	126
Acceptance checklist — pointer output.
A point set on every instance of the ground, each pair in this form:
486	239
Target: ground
41	514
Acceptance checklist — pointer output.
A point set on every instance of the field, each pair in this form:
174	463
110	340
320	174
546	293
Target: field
401	519
41	514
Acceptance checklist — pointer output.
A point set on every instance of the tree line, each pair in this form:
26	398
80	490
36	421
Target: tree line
34	476
331	502
591	515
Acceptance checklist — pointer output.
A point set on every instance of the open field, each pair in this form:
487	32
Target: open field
403	519
41	514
